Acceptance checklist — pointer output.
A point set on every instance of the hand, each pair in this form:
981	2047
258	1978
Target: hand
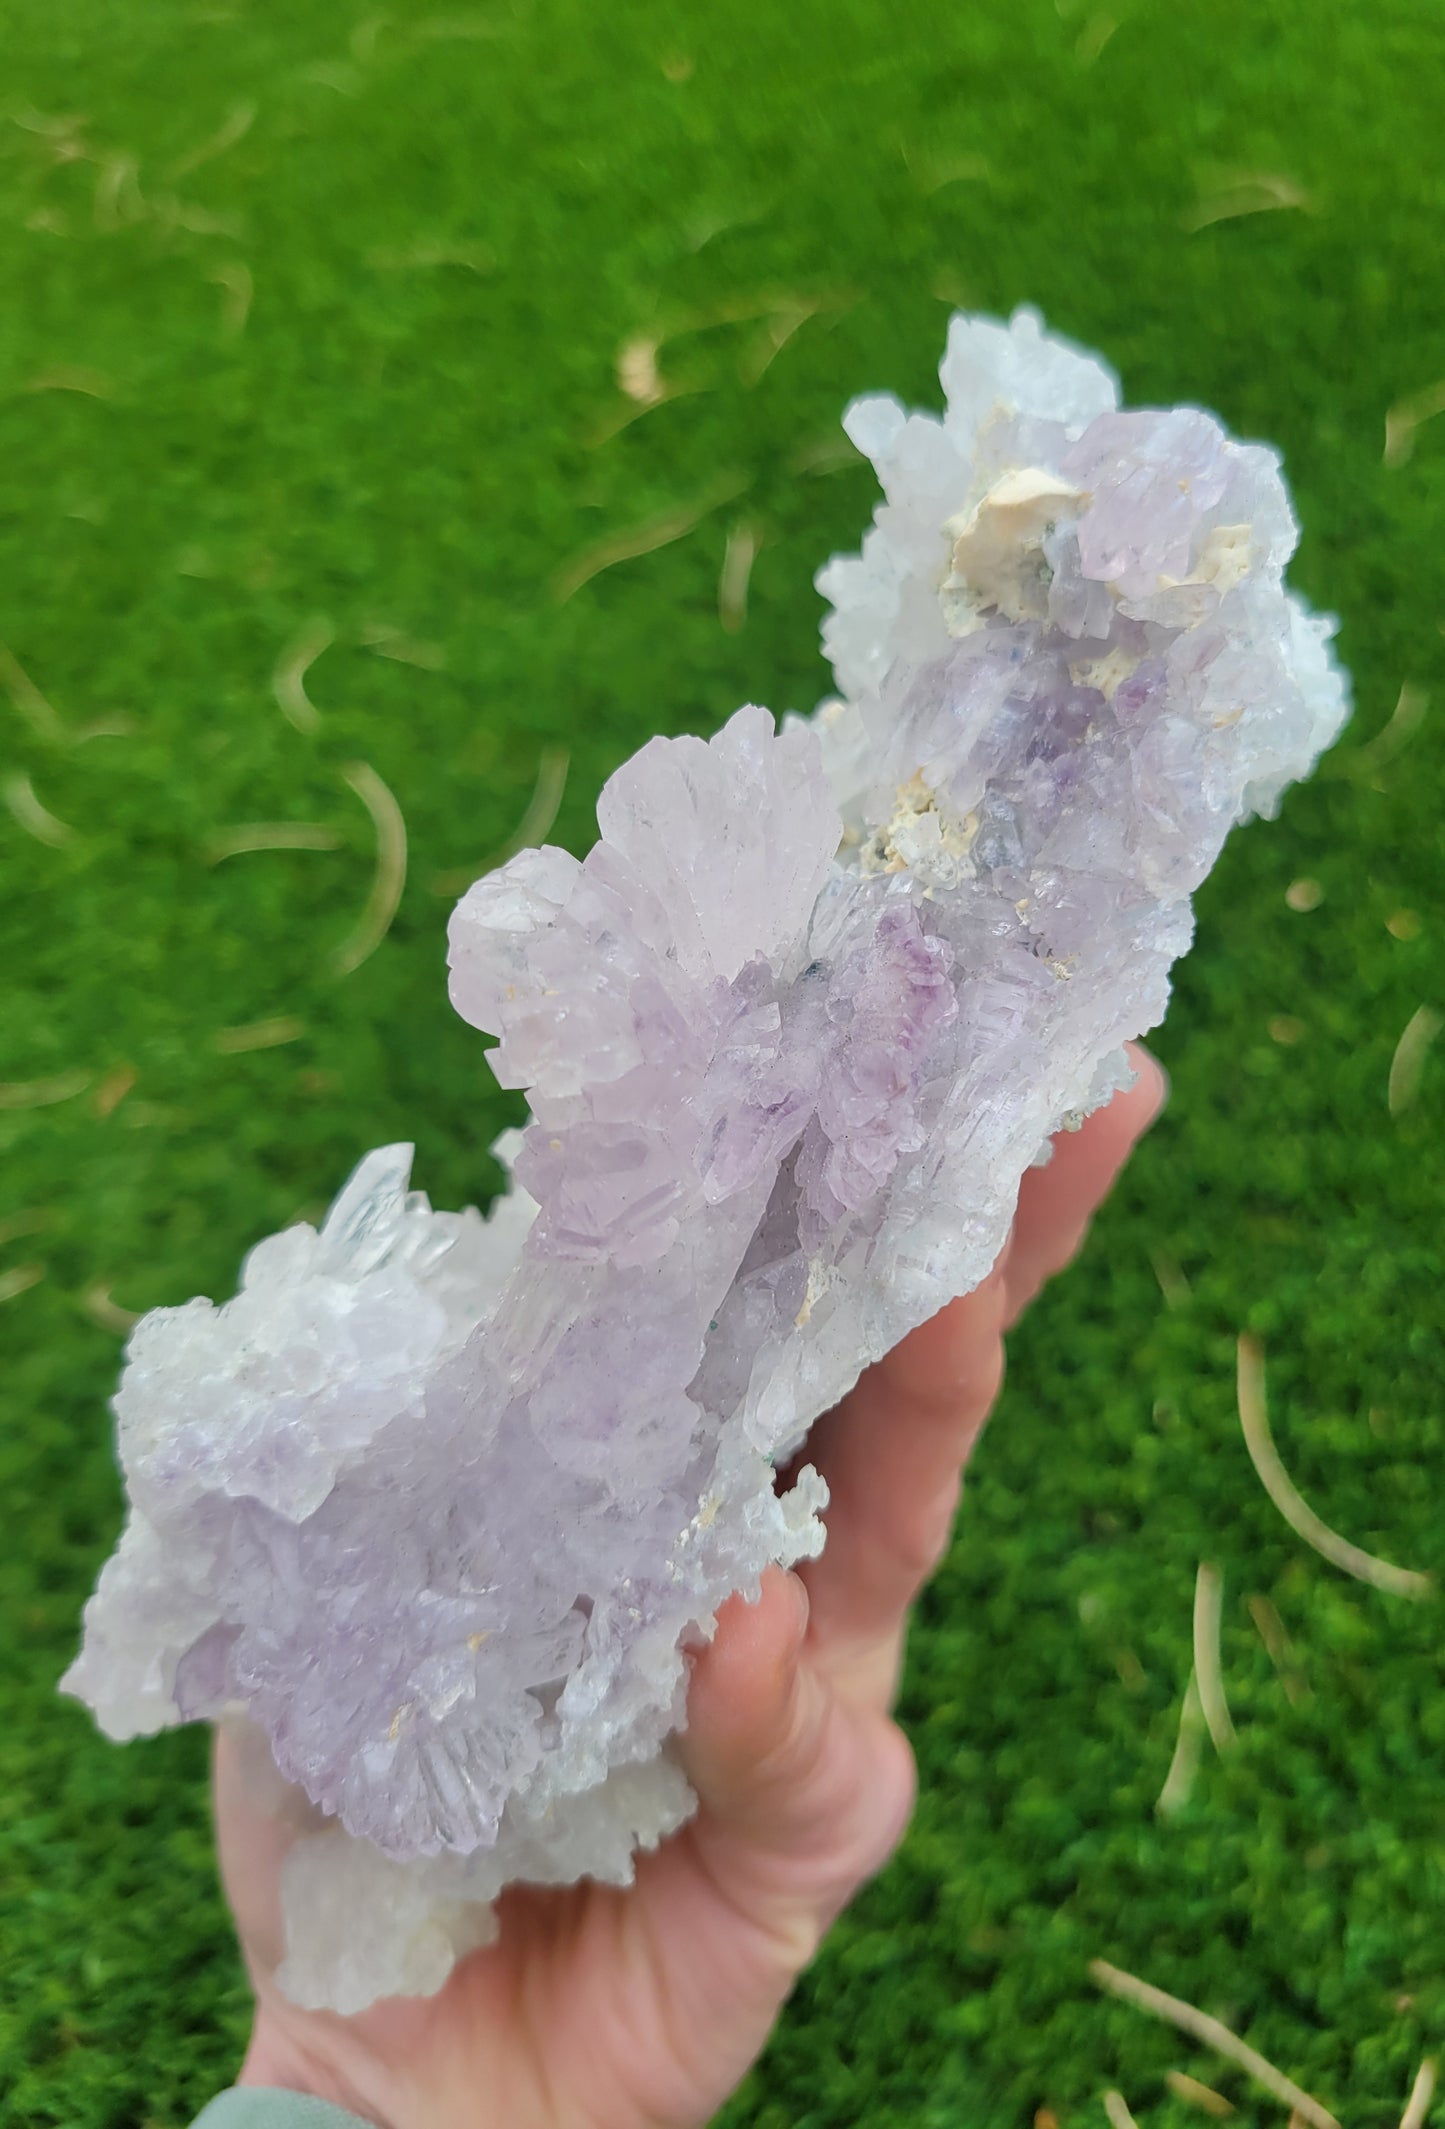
642	2009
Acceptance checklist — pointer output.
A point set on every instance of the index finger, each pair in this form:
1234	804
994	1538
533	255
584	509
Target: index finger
893	1451
1057	1201
892	1454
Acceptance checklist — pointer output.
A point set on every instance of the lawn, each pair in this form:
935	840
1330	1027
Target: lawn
390	405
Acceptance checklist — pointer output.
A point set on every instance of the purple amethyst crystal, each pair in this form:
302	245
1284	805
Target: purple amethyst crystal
438	1502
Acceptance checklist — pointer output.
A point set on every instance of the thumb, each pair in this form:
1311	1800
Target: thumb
803	1795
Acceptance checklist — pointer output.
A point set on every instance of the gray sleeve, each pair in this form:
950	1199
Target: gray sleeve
267	2107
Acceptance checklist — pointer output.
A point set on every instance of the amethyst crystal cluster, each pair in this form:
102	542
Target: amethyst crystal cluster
438	1502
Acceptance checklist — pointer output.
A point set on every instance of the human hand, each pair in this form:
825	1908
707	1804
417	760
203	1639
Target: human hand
600	2008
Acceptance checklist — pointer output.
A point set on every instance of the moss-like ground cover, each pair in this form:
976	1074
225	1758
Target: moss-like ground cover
312	314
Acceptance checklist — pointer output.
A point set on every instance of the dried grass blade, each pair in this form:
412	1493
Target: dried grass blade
106	1313
1417	2107
390	878
1213	2034
542	806
1194	2094
237	287
1208	1668
35	819
288	682
43	1093
1400	728
260	1035
737	569
27	698
1277	1483
1407	1066
233	128
271	835
541	811
1406	416
1179	1781
1280	1650
640	540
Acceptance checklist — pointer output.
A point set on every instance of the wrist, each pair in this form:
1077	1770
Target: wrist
299	2056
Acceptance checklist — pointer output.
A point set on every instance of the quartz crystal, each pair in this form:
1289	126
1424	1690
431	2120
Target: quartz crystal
440	1504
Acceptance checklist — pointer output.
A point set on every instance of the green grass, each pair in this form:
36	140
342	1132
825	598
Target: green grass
446	231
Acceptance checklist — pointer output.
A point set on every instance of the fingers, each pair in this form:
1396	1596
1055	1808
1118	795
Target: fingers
754	1712
1057	1202
801	1799
892	1453
258	1816
803	1796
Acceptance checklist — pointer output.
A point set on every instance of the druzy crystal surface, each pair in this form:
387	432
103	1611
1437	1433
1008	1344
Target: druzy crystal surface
439	1503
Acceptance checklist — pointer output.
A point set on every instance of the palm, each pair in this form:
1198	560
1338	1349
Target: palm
616	2008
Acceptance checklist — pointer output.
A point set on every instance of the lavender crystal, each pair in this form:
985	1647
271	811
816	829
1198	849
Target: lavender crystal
437	1502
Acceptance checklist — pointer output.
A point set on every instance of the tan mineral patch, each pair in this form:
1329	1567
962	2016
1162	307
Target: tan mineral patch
998	559
1103	673
920	837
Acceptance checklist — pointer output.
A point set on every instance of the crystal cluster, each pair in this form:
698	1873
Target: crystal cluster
440	1503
